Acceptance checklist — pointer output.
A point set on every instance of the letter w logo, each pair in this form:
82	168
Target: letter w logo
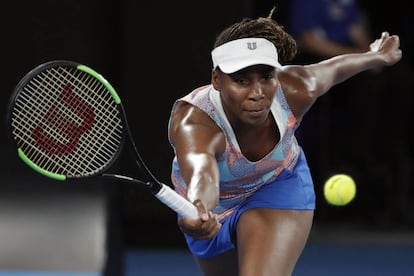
69	130
251	45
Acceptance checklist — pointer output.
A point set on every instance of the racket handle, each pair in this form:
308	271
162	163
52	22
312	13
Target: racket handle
176	202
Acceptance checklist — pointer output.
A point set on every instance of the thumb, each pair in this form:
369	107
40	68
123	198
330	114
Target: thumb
202	210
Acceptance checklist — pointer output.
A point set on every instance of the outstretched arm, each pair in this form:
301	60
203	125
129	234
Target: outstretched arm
383	51
304	84
197	141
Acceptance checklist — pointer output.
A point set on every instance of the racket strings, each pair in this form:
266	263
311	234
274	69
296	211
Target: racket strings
36	85
61	117
104	127
86	85
56	123
30	110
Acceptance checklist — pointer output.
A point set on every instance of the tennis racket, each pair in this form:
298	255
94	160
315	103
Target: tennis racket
68	122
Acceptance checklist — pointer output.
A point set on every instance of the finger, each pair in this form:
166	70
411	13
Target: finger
202	211
211	233
187	225
206	230
211	225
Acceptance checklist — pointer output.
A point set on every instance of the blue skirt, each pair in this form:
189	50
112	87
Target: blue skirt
290	190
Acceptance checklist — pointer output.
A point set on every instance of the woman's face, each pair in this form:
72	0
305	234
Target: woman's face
247	94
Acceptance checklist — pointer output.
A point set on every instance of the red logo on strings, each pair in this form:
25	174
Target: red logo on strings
56	120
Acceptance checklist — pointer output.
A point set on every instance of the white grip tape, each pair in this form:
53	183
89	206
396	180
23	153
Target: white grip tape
176	202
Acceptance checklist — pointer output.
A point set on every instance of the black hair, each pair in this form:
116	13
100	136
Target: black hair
261	27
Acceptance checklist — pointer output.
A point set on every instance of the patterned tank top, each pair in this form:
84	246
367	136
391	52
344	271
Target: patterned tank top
240	177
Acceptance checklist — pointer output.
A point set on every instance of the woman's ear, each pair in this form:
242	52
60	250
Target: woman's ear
215	79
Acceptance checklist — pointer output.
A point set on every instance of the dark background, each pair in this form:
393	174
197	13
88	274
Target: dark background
153	53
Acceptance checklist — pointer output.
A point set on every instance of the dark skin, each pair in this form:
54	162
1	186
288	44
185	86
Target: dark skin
246	97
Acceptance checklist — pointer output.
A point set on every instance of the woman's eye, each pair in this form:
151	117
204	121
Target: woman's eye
242	81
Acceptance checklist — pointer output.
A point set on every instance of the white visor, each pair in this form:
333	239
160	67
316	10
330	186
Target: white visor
241	53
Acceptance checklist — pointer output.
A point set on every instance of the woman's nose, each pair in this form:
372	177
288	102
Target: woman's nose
257	91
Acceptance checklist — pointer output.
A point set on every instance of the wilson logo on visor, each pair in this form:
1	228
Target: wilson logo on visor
251	45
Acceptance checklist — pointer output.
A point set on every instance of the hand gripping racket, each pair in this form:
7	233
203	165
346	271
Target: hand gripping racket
68	122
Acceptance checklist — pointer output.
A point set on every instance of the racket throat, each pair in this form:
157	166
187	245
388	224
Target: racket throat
154	187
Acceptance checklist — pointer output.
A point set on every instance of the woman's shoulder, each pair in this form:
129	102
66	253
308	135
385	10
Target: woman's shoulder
296	73
298	85
294	79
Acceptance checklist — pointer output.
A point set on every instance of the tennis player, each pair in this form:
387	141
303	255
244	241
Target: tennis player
237	159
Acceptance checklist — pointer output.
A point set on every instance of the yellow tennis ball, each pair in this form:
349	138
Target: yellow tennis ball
339	189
